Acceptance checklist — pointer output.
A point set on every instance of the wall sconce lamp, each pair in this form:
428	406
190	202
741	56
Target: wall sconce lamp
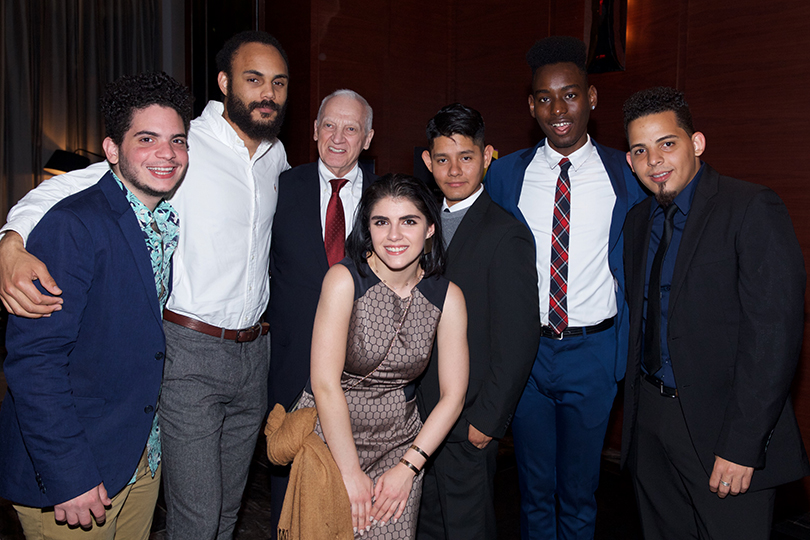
63	161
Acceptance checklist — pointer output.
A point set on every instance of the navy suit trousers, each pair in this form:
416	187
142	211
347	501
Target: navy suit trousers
559	430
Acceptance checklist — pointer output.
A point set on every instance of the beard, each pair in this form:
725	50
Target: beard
240	114
130	173
664	197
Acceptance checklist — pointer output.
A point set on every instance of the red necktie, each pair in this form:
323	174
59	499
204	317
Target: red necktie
561	226
334	238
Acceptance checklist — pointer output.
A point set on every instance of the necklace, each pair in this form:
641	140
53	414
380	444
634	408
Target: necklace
403	286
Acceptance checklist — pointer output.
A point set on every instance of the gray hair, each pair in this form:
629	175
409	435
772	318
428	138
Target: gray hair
369	116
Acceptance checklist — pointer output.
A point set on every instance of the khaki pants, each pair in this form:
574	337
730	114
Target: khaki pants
129	518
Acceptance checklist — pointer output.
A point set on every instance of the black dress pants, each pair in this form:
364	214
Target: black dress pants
672	487
458	493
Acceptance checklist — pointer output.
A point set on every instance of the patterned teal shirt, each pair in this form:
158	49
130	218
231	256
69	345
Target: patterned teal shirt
160	231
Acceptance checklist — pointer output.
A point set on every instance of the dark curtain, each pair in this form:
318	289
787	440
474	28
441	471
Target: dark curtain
57	56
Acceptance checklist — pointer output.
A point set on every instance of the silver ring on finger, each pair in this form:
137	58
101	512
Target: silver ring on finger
725	483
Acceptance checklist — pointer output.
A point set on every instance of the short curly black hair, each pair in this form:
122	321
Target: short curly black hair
130	93
556	49
225	55
657	100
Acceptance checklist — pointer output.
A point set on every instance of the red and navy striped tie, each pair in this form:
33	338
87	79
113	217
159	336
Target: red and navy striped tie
561	226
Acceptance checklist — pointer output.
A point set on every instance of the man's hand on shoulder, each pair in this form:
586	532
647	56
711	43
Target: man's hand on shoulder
477	438
78	510
18	271
729	478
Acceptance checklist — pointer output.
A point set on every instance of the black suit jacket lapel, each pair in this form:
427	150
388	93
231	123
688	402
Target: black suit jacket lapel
701	209
310	204
637	263
368	177
468	225
637	238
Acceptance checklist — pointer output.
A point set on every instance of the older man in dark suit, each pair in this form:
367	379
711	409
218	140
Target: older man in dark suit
490	255
316	205
715	284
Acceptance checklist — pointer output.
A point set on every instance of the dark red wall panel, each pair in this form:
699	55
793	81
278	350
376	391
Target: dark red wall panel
744	65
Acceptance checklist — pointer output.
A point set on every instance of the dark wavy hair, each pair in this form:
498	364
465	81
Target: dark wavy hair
225	56
556	49
456	119
657	100
397	186
130	93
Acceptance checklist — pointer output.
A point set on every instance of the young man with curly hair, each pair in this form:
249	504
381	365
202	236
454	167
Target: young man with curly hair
715	287
214	396
79	429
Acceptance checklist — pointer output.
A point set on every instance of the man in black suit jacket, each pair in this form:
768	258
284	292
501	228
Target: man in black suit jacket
490	255
707	394
298	257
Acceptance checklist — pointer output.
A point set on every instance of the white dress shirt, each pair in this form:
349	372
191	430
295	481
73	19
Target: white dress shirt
349	194
226	205
466	203
591	290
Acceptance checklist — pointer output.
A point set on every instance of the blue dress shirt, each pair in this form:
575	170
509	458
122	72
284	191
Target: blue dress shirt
684	202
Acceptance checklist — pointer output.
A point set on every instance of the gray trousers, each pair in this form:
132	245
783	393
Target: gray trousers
212	406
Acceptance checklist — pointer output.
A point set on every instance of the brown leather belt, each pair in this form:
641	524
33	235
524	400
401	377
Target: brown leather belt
240	336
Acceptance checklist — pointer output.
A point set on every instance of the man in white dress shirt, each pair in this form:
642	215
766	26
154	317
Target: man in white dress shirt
574	195
213	399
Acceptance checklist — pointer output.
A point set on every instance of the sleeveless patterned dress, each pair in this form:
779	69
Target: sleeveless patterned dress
378	389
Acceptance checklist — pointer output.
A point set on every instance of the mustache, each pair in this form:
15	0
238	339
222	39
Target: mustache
266	104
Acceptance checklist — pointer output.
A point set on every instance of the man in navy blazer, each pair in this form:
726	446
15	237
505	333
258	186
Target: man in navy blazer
77	428
298	257
574	195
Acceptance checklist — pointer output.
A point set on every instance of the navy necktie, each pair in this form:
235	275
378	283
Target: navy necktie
652	332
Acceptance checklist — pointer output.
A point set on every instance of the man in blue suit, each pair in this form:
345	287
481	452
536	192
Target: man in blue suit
574	195
78	428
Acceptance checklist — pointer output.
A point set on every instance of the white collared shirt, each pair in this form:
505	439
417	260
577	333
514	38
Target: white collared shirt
226	205
466	203
349	194
591	293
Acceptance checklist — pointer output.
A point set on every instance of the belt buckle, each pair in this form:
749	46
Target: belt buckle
249	333
666	394
553	335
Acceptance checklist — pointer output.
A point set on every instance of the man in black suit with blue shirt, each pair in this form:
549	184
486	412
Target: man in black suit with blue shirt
715	284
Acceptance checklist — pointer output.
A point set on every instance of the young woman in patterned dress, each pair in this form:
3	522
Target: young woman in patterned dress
387	301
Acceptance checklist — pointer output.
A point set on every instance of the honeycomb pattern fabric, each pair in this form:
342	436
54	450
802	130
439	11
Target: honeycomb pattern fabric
384	422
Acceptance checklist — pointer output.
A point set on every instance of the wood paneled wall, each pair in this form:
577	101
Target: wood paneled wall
744	65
